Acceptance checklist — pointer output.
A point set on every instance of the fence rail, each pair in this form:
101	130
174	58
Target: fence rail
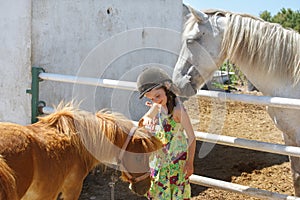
241	189
251	99
109	83
222	96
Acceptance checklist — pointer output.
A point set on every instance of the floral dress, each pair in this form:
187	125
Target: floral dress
167	164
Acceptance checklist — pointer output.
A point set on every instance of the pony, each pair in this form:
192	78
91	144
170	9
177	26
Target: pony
267	53
51	158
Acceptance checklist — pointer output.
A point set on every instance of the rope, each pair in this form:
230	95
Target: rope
114	175
112	183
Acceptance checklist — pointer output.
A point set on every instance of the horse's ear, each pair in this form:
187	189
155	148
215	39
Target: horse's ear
186	13
171	86
201	16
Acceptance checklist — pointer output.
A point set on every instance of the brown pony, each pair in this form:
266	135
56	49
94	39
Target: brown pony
52	157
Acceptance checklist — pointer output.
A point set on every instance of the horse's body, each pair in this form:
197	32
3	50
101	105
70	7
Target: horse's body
266	53
52	157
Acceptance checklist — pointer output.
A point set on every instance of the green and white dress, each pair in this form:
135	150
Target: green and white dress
167	164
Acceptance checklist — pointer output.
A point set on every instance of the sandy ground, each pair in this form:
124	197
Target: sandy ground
246	167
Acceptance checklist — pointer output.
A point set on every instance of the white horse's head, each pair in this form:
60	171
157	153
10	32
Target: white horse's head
199	56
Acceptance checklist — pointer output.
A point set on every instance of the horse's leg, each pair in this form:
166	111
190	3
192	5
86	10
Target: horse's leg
42	189
295	162
22	165
287	121
7	181
72	191
72	184
48	178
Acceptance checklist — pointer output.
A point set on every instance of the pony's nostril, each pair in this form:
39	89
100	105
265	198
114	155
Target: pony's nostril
140	190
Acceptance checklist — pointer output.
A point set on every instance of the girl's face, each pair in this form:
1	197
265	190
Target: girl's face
157	96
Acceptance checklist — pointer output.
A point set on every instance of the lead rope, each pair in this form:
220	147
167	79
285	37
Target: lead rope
114	175
112	183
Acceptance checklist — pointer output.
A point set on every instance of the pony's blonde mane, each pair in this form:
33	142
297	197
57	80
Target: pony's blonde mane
102	134
263	45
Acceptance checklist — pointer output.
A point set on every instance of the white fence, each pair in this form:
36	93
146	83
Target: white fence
209	137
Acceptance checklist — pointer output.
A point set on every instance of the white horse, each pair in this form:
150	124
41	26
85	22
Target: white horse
266	53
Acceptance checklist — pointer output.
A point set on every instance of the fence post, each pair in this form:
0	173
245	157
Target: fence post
34	91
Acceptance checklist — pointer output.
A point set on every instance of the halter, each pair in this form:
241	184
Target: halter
125	145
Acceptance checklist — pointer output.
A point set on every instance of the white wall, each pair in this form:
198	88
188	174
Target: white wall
103	39
95	38
15	65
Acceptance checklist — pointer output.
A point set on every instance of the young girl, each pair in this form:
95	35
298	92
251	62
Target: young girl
167	118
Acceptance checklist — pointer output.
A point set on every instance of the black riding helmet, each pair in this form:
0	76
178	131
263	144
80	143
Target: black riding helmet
150	78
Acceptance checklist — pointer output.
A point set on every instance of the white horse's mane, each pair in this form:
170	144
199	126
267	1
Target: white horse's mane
193	19
263	45
250	40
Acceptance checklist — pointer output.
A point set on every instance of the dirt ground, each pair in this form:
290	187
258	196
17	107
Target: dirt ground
246	167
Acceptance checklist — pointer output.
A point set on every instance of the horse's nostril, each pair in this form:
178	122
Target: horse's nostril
140	188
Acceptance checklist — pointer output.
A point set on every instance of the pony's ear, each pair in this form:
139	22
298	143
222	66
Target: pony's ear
147	142
201	16
151	144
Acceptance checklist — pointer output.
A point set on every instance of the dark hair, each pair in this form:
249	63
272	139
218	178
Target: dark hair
171	100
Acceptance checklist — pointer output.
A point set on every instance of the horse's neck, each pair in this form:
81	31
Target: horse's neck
270	84
254	56
105	151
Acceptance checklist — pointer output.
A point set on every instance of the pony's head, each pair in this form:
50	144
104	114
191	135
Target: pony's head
199	55
134	146
135	162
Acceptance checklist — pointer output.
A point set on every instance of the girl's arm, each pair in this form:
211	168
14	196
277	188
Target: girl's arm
147	119
184	119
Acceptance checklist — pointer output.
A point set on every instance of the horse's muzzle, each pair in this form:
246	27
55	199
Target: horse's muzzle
186	83
184	86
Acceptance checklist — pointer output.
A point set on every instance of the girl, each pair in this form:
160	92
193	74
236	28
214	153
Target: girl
167	118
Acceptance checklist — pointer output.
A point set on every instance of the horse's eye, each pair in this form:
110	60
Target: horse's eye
189	41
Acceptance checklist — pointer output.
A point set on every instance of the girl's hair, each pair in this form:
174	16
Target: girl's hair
171	100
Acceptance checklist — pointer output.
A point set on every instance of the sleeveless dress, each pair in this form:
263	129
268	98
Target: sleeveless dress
167	164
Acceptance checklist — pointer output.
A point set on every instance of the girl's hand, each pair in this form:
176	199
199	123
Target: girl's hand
149	120
189	169
149	123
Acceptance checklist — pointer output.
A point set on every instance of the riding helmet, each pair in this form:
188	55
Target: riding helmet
150	78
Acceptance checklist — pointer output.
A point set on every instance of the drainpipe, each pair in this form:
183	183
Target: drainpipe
34	91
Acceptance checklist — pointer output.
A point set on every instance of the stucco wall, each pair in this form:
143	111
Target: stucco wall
15	34
95	38
103	39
